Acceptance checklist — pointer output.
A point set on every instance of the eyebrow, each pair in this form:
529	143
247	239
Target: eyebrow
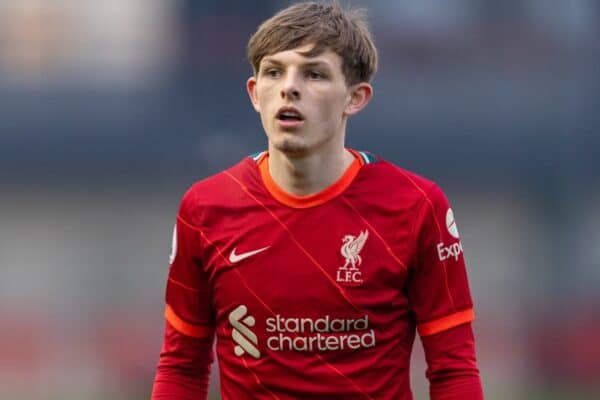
306	64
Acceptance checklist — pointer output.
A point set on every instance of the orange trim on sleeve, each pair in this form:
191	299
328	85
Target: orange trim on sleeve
314	199
447	322
199	332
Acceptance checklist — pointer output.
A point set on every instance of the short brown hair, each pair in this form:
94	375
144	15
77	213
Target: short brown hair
328	26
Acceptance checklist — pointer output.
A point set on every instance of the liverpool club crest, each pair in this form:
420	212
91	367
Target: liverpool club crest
351	247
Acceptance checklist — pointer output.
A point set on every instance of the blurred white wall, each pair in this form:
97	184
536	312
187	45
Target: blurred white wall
70	42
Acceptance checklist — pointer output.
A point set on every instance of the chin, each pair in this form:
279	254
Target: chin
290	146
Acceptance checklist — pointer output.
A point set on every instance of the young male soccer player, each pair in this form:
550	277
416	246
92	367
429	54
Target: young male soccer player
313	264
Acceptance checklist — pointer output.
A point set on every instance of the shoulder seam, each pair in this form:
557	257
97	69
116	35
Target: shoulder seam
188	224
422	203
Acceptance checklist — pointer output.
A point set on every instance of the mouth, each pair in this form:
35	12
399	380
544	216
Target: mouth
289	114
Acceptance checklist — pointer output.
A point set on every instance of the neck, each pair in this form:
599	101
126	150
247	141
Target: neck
310	174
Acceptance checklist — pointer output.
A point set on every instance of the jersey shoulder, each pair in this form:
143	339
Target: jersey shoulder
221	191
385	176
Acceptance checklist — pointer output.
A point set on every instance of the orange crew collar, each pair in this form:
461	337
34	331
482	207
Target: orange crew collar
311	200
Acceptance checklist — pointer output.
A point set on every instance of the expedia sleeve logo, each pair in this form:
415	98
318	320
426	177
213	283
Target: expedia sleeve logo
451	223
173	246
452	250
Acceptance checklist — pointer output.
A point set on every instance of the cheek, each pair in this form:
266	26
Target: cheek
332	108
262	92
263	103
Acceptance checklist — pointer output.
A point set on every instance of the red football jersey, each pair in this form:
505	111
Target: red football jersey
319	296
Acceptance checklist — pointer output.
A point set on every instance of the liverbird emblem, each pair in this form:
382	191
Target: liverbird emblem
351	247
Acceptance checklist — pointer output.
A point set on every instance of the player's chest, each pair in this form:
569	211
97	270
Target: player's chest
305	259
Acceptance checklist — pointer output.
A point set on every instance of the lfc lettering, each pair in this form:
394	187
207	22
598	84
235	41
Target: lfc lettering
349	276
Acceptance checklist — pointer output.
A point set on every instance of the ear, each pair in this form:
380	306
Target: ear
251	88
360	96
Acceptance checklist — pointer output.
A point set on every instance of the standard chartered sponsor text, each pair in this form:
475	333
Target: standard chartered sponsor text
320	334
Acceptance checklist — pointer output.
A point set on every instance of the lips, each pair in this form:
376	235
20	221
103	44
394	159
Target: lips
289	114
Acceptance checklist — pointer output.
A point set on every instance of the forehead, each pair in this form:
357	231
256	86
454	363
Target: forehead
298	56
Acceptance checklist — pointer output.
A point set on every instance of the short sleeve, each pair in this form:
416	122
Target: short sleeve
188	301
438	288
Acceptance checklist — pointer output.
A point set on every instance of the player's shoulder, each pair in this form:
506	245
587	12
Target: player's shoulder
219	189
398	179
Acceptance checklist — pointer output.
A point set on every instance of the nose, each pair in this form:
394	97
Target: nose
291	87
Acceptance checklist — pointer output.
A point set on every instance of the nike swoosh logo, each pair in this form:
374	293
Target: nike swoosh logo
233	258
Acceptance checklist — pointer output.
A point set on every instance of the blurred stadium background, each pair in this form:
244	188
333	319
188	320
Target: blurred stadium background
110	109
